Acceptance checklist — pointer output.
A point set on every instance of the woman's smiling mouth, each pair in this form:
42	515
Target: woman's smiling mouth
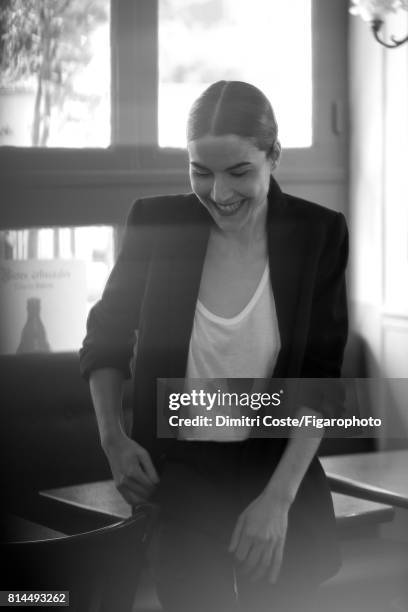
228	209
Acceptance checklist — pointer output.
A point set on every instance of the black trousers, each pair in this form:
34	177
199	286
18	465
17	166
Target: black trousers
204	487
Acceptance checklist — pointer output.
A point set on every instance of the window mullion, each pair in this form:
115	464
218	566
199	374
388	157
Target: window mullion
134	72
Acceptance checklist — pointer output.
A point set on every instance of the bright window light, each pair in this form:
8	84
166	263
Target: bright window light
267	43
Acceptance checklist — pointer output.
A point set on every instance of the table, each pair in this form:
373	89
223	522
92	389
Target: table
104	498
379	476
18	529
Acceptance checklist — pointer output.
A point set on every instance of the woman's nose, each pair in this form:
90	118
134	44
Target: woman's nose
221	190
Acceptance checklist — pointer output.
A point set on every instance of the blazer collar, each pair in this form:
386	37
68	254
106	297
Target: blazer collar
285	258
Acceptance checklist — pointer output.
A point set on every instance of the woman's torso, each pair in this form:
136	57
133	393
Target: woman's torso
231	273
235	334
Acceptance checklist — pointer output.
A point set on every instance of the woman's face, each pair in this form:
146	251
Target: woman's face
230	176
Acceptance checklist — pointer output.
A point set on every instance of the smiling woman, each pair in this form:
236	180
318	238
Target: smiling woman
233	147
231	178
234	282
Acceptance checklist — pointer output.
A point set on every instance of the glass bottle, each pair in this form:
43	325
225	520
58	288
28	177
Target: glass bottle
33	336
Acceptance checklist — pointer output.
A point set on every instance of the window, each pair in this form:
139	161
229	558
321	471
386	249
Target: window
55	79
158	64
50	278
104	149
226	40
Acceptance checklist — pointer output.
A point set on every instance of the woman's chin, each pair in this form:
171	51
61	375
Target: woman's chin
230	221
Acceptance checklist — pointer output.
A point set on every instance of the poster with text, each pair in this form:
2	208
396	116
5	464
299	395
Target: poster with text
43	306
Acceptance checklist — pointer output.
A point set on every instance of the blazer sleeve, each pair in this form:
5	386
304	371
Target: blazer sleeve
328	326
111	324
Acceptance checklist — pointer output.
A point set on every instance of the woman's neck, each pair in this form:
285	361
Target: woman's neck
246	239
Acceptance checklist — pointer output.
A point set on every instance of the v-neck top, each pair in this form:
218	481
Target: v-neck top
221	348
243	346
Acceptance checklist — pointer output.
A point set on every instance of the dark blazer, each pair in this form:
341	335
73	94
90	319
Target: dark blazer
154	287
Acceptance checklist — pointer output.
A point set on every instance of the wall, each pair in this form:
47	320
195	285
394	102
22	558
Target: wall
379	213
105	197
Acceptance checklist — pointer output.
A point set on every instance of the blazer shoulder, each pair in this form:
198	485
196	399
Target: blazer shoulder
162	209
310	210
315	217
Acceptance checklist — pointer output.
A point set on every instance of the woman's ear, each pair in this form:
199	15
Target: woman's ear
275	155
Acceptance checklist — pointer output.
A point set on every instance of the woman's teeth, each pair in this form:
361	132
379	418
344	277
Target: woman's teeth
229	209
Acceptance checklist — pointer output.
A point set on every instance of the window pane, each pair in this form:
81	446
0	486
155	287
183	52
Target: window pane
264	42
55	73
50	278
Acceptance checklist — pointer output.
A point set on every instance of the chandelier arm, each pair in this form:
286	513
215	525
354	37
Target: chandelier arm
376	26
399	42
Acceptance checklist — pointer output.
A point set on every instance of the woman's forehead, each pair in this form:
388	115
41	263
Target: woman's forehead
223	151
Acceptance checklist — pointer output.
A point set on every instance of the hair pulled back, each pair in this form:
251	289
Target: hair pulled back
234	107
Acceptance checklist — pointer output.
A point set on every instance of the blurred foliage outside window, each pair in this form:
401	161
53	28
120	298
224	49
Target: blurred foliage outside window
55	73
55	66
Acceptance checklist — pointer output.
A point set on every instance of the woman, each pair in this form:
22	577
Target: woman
236	280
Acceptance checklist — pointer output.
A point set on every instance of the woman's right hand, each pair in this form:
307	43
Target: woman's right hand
132	468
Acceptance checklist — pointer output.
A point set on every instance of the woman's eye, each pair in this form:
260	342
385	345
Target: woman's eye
200	173
239	173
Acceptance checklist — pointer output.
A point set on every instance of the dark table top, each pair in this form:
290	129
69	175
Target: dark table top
18	529
104	498
379	476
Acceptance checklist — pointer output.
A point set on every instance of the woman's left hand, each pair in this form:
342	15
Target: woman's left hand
259	536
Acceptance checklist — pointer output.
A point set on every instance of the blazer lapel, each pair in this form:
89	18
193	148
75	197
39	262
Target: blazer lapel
190	245
286	253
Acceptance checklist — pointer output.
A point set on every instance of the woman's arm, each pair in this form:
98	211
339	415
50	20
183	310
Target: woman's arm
295	460
132	469
259	537
112	322
106	353
106	387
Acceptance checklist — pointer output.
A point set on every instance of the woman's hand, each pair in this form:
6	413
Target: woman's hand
259	536
132	468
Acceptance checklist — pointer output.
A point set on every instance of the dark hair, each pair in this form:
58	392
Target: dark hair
234	107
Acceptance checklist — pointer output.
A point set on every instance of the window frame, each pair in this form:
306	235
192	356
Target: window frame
134	155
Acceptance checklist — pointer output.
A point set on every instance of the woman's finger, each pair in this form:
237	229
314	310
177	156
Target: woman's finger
276	561
254	556
264	562
243	548
236	534
147	465
134	487
131	496
137	474
137	487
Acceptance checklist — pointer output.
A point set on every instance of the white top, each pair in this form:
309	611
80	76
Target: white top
243	346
